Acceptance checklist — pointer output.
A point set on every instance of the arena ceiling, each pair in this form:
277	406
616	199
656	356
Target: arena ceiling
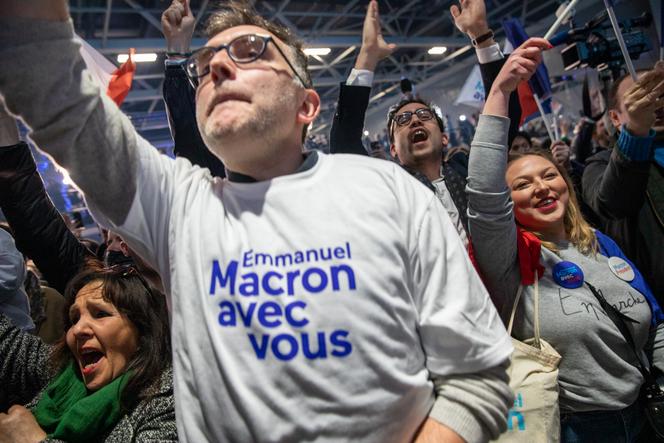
113	26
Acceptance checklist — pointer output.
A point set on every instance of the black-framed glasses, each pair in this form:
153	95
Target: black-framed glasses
404	118
243	49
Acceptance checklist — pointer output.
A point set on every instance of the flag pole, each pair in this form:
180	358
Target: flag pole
560	19
546	122
621	41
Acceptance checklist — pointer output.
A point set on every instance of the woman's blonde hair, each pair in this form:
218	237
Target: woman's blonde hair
577	228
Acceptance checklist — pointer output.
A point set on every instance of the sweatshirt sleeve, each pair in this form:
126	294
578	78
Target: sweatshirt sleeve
69	117
475	406
490	215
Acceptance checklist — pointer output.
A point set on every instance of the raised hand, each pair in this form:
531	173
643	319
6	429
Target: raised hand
561	153
520	66
643	99
177	24
470	18
374	48
8	128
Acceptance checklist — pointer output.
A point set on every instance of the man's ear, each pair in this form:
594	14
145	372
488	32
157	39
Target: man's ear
615	118
393	151
309	108
445	139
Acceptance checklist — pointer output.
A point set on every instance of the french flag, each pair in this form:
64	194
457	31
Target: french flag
538	84
116	81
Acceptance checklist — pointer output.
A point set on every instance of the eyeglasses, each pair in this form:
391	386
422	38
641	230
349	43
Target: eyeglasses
404	118
242	50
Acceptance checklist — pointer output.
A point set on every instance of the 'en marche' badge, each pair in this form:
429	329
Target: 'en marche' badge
621	269
568	275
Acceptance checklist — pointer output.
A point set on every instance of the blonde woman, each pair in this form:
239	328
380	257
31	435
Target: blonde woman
529	197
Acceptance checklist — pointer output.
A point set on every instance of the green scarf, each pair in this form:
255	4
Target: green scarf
67	411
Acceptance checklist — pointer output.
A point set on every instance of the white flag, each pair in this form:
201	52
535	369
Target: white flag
472	93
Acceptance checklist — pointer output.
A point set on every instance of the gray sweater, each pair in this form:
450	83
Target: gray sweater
598	370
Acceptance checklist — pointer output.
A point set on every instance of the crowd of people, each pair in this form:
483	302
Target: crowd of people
252	290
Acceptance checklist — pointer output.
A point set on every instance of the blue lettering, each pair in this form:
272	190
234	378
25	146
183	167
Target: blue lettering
348	251
289	314
307	284
269	309
338	339
349	274
249	288
299	257
321	353
329	254
521	423
246	260
292	343
339	253
261	349
266	283
291	280
246	318
218	276
227	314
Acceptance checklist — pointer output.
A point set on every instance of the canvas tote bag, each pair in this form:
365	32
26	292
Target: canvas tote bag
533	373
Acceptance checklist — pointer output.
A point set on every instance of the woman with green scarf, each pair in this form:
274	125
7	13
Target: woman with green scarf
108	379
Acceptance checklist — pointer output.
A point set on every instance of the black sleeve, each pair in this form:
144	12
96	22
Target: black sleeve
348	123
613	186
179	98
23	365
489	73
39	230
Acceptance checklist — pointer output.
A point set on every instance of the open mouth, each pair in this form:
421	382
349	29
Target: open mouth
89	360
419	135
547	204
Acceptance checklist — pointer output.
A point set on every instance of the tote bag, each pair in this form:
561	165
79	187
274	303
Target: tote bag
533	372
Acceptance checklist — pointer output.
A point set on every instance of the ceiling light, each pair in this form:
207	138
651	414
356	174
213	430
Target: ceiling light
438	50
138	58
317	51
462	117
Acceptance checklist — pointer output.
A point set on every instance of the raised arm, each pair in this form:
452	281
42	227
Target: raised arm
177	24
39	230
348	123
490	215
615	188
470	18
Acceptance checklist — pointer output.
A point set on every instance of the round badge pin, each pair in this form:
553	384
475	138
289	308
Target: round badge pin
621	269
568	275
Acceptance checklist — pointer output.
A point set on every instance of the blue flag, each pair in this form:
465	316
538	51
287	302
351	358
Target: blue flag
516	35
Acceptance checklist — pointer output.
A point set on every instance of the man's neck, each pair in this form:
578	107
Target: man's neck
278	162
430	168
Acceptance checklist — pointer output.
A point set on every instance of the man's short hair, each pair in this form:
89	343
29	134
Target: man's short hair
240	12
391	114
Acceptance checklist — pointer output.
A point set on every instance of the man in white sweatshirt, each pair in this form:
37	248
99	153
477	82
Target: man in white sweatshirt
305	304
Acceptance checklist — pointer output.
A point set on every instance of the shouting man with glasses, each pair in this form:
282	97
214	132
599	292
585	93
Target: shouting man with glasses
293	318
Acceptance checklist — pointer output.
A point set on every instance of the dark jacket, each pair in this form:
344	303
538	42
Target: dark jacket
39	229
24	373
348	125
624	194
179	98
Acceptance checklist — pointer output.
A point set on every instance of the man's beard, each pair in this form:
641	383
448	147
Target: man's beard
261	125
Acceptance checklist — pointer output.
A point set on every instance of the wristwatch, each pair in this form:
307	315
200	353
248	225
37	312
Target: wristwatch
482	38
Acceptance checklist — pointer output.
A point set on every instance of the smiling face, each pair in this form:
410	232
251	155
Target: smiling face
102	340
242	108
540	195
418	141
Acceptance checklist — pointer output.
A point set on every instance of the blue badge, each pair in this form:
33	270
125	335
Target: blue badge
568	275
